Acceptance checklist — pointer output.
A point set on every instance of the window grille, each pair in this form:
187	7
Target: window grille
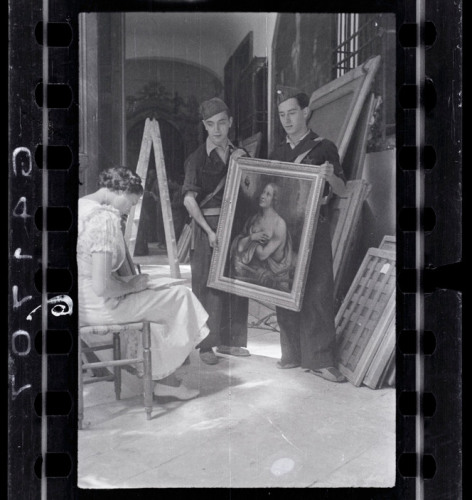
358	38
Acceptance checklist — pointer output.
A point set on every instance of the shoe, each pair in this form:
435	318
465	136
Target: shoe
330	373
209	357
180	392
286	366
233	350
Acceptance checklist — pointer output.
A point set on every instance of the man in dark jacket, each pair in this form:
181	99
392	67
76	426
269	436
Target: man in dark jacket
308	337
204	169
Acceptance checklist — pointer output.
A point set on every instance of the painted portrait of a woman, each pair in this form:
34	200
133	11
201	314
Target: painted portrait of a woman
263	253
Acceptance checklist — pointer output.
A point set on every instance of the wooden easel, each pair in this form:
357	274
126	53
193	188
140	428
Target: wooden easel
152	137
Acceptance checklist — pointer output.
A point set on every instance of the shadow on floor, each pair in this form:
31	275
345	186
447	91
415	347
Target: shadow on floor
251	426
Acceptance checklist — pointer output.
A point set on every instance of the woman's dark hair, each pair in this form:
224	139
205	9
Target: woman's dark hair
121	179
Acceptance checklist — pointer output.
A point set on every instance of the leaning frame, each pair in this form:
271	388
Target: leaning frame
238	168
349	91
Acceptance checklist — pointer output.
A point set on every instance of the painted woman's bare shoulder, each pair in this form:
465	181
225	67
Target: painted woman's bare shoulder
281	225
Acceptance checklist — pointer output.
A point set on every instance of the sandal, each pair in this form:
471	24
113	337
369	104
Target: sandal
209	357
286	366
233	350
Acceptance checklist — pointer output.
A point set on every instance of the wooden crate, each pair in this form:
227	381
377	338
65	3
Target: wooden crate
365	313
381	362
388	243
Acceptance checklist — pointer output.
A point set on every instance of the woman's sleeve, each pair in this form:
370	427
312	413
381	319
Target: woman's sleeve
102	231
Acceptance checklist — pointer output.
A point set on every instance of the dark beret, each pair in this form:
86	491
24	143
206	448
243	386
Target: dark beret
212	107
283	93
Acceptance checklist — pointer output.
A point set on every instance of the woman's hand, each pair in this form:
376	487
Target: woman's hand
106	283
260	236
139	282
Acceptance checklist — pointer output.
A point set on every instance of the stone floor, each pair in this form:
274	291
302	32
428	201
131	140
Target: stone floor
252	426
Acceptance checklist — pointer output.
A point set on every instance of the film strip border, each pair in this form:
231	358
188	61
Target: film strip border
429	345
42	194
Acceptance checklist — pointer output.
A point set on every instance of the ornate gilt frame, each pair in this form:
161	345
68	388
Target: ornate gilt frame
237	169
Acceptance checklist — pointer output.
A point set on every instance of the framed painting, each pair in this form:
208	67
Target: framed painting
266	230
337	106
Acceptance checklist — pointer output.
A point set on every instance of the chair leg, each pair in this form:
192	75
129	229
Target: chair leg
117	369
91	357
80	399
148	384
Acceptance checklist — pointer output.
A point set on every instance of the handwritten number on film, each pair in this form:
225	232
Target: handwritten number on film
61	304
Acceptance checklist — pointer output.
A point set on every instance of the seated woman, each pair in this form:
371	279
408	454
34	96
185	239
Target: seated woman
262	253
106	298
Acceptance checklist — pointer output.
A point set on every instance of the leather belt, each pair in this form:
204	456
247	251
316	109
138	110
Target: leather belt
211	211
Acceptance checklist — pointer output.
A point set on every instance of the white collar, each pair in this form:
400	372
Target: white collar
210	146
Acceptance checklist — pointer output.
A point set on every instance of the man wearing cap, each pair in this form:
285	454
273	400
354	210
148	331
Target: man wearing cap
205	173
308	337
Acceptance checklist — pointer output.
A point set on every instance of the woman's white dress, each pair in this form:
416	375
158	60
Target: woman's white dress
178	320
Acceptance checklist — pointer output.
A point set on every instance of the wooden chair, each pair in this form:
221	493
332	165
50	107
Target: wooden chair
117	363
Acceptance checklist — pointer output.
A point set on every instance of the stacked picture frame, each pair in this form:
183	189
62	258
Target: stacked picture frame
365	322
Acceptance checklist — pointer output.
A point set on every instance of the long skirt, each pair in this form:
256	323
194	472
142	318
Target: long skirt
178	322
